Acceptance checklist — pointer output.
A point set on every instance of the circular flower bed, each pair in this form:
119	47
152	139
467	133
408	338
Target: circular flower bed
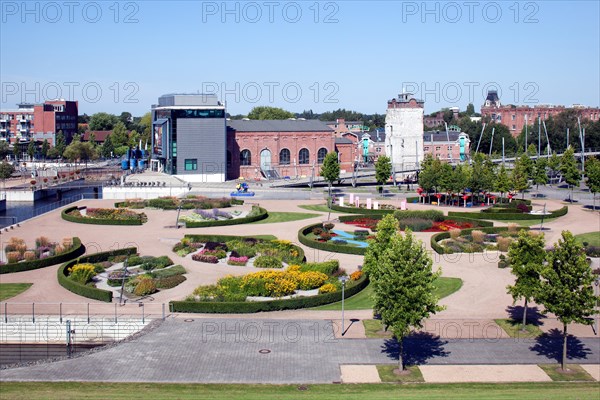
103	216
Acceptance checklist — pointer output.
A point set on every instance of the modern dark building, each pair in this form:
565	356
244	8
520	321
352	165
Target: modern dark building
189	136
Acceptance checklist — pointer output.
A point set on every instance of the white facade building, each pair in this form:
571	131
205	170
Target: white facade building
404	132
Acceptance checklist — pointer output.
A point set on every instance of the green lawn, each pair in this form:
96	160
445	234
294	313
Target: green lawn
362	300
593	238
386	373
8	290
574	373
513	328
285	217
316	207
374	329
156	391
528	222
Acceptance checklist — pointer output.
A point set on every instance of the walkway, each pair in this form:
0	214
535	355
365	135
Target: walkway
280	351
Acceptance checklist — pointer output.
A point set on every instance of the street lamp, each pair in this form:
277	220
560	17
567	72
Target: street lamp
343	279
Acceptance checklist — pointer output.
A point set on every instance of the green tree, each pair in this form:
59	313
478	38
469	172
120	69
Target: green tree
103	121
6	171
470	109
45	148
403	287
592	176
526	255
540	175
503	183
386	228
330	170
383	170
17	151
119	135
262	112
31	149
61	143
445	182
482	177
92	139
566	286
568	167
519	176
428	174
461	176
4	149
554	162
107	148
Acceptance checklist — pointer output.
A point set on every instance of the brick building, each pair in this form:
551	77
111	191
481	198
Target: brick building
39	121
453	146
515	117
277	148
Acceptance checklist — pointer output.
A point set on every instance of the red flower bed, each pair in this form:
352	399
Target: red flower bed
448	224
368	223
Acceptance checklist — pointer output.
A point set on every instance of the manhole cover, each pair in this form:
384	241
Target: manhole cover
264	351
188	320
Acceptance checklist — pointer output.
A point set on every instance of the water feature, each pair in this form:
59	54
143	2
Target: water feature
348	237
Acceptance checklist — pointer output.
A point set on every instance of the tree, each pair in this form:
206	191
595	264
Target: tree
4	149
429	174
6	171
45	148
383	170
386	228
592	173
263	112
554	163
470	109
119	135
502	183
330	170
403	287
31	149
519	177
61	143
17	151
568	167
566	287
103	121
107	148
126	118
482	178
540	175
526	256
461	176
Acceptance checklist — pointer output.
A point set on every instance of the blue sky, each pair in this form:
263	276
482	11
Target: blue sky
300	55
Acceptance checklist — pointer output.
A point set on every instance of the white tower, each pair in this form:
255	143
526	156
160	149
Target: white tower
404	132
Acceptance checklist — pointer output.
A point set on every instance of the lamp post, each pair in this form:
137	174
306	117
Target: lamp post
343	279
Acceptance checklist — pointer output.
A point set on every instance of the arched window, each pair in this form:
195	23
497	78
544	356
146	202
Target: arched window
321	155
303	156
284	157
245	157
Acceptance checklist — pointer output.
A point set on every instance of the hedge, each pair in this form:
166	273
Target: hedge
499	202
226	238
96	221
476	222
245	307
446	235
509	216
77	250
365	211
327	246
172	204
84	290
234	221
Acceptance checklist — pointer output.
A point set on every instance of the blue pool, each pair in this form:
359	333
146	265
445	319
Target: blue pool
349	238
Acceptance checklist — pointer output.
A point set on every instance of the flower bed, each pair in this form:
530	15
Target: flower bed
172	203
45	253
475	240
203	219
103	216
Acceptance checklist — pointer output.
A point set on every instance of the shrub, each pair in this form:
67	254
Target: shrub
310	279
317	231
215	246
339	241
503	262
327	267
239	261
42	241
361	234
205	258
328	226
165	273
13	257
13	244
82	273
170	282
29	255
432	215
115	278
454	233
217	253
267	262
478	236
522	208
415	224
592	251
145	287
327	288
356	275
503	243
325	236
513	228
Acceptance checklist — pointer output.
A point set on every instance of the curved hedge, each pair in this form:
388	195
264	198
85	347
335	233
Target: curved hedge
446	235
84	290
354	210
503	216
77	250
476	222
244	307
234	221
95	221
327	246
226	238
